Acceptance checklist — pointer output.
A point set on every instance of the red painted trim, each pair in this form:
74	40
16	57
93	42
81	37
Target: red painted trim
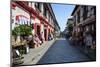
17	18
33	16
13	5
22	16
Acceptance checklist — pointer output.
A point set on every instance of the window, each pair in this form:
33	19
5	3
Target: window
74	20
12	21
94	8
30	4
78	16
27	22
38	5
45	12
89	11
85	11
26	2
81	12
49	17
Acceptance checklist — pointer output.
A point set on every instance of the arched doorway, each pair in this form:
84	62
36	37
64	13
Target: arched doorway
38	30
45	34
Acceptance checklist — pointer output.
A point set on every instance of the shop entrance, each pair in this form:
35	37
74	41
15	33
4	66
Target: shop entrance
45	34
38	30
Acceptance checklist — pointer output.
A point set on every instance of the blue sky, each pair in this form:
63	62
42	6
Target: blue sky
62	12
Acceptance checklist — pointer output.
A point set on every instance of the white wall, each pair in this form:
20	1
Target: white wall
19	11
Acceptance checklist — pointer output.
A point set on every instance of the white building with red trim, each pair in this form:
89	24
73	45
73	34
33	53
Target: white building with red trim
39	15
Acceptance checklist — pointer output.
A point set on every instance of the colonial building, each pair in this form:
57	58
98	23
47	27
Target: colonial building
84	19
39	15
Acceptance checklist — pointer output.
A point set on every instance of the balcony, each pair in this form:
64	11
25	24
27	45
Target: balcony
90	20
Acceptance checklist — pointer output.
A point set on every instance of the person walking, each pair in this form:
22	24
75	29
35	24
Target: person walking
88	41
37	41
41	37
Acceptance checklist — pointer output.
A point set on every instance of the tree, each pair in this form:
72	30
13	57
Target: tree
70	28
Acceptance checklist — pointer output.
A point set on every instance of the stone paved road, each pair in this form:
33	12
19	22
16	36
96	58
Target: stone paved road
62	52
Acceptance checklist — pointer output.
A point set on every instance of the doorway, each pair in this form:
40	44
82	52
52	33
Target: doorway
38	30
45	34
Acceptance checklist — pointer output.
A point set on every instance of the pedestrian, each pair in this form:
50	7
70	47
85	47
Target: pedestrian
41	37
88	41
72	39
30	41
37	41
84	34
94	40
49	37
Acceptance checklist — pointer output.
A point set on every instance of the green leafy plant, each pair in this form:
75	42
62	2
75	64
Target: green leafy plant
70	28
22	30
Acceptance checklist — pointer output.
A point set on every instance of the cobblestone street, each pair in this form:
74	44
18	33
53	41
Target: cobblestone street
62	52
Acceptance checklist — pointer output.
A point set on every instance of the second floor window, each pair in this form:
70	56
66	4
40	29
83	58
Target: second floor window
94	12
27	3
74	20
78	17
49	17
85	11
38	6
45	12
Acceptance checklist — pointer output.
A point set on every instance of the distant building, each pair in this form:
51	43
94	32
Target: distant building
65	30
70	20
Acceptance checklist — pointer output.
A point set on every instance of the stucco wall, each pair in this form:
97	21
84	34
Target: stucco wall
19	11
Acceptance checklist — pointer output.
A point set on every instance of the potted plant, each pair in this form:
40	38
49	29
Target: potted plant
19	34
